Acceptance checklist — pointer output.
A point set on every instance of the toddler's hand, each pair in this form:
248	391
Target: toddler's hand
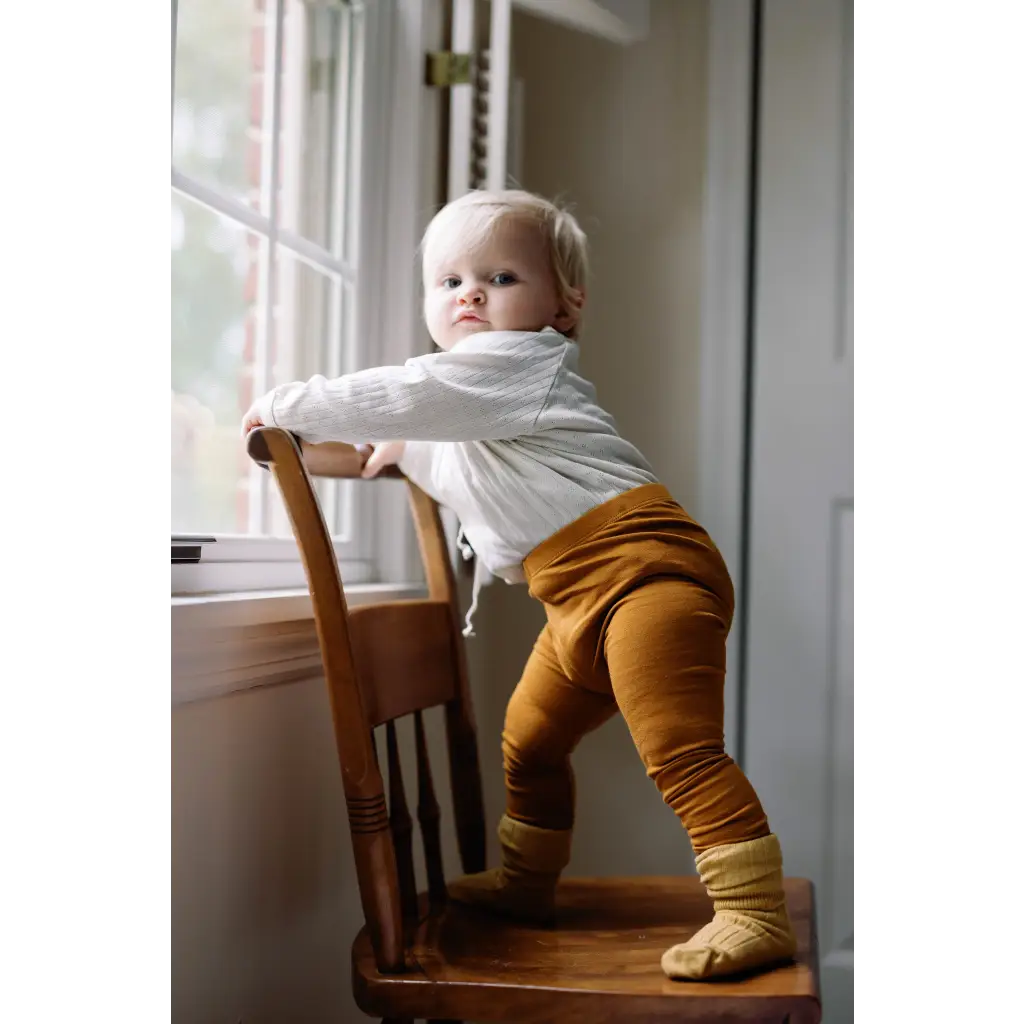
250	422
254	417
381	455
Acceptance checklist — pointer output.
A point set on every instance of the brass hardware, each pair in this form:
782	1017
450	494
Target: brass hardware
445	69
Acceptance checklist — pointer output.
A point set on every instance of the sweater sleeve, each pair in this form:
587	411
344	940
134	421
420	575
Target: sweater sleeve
476	394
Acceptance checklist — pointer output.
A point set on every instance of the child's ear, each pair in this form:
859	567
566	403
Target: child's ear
564	321
568	315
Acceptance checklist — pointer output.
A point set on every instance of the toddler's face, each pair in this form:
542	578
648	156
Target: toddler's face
506	284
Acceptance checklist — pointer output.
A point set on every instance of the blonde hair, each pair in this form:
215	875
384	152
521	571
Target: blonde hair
467	222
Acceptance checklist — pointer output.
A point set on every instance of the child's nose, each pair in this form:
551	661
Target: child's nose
471	295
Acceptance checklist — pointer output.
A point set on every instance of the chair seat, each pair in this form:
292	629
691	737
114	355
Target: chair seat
600	962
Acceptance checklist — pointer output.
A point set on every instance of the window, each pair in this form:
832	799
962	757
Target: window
268	212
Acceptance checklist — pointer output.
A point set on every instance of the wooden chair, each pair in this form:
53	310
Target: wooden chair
419	956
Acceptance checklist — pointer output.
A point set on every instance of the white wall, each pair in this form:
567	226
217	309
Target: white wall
264	905
264	898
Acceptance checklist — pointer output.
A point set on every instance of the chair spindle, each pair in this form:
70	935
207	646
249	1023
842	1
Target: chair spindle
429	814
401	828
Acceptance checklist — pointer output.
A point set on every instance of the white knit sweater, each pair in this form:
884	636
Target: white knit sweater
502	429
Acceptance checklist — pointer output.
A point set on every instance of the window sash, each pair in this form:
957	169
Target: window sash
397	164
308	251
334	71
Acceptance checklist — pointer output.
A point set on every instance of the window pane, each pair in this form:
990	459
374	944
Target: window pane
311	326
224	353
230	342
223	94
317	147
218	334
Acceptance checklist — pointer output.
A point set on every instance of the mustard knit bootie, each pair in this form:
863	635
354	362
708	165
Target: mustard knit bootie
524	886
750	928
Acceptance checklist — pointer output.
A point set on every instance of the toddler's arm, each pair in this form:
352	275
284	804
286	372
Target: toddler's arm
449	396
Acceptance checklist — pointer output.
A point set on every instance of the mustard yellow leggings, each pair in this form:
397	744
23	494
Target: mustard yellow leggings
639	605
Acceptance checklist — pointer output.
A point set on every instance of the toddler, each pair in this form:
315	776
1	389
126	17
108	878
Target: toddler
501	427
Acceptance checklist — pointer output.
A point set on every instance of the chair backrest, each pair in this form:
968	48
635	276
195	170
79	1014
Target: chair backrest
382	662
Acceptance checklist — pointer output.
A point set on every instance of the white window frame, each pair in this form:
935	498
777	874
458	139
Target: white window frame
390	177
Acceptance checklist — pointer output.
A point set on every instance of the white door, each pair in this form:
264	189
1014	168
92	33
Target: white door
799	677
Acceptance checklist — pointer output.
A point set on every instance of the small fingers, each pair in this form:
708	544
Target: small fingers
249	425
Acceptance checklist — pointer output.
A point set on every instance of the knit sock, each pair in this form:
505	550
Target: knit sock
751	928
524	886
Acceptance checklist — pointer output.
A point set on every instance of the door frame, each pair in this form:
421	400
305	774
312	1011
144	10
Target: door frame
726	332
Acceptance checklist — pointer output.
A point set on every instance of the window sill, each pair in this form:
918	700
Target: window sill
258	607
226	643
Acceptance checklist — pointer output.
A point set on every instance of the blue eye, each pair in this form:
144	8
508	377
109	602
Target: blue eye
450	282
504	278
